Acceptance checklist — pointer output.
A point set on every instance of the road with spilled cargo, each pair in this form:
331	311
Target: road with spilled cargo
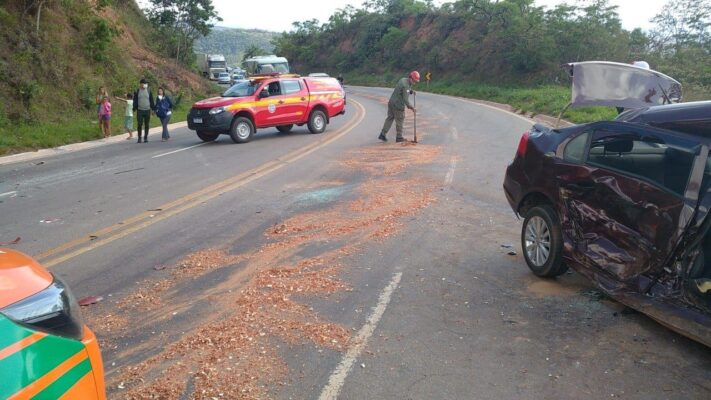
302	266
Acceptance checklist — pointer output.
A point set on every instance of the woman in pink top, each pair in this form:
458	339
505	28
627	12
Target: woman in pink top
105	116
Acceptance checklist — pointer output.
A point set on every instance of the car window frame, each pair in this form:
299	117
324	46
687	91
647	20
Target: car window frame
586	149
622	128
283	86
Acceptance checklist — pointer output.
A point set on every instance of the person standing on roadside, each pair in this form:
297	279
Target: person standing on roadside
399	100
164	109
99	99
128	116
143	104
105	116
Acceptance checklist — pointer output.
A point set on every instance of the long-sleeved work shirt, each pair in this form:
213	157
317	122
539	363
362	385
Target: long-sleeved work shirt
400	97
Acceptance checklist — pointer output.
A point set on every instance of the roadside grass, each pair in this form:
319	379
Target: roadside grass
83	127
548	100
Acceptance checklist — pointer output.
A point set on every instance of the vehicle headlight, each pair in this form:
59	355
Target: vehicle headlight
53	310
217	110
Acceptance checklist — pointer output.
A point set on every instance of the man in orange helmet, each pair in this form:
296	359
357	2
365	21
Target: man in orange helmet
396	106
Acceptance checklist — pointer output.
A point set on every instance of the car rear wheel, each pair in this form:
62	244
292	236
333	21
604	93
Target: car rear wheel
207	136
284	128
542	242
317	122
242	130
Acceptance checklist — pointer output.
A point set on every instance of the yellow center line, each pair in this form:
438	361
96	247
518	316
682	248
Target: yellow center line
134	224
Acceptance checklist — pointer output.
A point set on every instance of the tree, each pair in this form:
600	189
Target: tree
181	22
682	23
253	51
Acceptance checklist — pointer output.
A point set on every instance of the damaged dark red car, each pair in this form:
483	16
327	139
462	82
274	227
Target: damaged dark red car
625	203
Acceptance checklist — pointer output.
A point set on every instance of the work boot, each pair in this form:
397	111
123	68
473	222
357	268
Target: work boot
145	139
401	139
139	140
383	138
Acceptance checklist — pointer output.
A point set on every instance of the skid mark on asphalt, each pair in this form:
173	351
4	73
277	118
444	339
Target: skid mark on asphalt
339	375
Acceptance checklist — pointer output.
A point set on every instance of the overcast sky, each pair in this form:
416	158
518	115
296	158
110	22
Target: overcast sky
277	15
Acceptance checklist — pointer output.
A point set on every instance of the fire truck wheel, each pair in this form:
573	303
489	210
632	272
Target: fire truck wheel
242	130
284	128
317	121
207	136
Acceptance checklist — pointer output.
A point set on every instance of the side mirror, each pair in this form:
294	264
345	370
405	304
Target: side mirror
263	94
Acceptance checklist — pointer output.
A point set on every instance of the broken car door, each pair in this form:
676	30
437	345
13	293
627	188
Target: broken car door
626	202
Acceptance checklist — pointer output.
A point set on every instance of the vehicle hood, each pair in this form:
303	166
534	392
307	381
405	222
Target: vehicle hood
20	277
221	101
602	83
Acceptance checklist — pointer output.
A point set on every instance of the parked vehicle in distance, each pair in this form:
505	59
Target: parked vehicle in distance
211	65
237	76
268	101
319	75
224	78
45	350
263	65
625	203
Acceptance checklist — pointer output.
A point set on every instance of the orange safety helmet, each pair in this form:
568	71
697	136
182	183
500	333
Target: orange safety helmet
415	76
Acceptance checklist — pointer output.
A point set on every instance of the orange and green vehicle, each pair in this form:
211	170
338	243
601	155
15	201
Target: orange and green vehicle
46	352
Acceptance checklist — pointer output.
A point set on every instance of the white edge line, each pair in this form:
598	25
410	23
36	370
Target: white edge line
179	150
338	377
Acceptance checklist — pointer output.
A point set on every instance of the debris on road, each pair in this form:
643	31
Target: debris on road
512	253
16	241
89	300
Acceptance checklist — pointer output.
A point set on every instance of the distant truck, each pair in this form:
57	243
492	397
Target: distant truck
279	101
261	65
211	65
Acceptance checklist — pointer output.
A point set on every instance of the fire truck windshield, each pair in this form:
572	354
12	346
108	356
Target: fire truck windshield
242	89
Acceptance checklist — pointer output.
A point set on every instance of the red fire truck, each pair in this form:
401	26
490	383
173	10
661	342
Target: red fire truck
280	101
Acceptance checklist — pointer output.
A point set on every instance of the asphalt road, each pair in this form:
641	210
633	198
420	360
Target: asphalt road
304	266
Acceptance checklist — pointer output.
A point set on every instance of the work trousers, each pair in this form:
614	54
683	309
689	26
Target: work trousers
144	119
394	115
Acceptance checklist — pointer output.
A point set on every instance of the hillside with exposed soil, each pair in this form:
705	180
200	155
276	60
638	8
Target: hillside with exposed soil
55	55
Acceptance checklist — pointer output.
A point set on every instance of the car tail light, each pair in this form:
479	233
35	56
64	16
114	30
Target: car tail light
522	145
53	310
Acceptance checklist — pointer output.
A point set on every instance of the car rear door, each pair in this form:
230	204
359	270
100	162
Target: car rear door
296	100
626	203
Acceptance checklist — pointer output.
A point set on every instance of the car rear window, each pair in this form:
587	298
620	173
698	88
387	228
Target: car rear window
575	149
664	160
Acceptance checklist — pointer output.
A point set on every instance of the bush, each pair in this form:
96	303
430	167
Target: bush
99	39
87	91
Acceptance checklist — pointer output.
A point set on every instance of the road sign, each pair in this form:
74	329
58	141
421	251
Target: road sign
428	76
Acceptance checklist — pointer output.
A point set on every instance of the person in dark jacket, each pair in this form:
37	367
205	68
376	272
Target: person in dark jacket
399	100
164	109
143	104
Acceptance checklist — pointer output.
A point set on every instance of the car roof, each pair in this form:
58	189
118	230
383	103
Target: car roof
670	112
673	114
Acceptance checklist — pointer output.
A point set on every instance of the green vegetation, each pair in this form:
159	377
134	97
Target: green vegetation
179	23
49	77
82	127
507	51
235	44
